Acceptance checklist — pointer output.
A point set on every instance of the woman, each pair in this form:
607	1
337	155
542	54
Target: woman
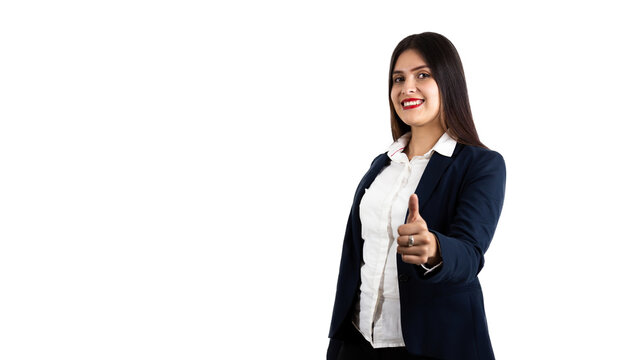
422	218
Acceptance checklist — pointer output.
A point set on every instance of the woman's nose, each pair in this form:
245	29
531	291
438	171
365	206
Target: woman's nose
409	86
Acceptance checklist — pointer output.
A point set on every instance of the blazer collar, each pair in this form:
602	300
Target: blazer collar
434	170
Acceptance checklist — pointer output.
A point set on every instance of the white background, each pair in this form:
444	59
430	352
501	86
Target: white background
176	176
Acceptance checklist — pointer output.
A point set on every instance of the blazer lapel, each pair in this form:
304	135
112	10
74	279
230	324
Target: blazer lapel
378	164
356	225
436	167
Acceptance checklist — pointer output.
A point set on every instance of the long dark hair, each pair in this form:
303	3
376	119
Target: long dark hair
442	58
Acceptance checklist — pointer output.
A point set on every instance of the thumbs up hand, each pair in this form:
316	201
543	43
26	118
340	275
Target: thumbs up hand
423	247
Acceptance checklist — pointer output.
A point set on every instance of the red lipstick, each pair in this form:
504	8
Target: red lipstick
412	106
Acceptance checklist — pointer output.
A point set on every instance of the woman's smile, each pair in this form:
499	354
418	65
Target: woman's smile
411	103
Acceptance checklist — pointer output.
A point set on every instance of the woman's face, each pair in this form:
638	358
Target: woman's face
415	94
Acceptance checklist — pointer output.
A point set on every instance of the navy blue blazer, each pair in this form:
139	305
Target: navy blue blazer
442	313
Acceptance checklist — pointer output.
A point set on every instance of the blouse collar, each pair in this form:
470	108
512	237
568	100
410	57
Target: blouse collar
444	146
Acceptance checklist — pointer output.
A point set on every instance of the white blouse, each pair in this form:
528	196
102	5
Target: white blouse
382	210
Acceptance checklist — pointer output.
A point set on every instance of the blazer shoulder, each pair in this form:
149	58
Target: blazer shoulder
477	162
379	157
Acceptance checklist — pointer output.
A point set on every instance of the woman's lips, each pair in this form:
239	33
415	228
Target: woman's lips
411	103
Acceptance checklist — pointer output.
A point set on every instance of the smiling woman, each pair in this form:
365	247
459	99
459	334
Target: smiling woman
415	97
444	67
422	219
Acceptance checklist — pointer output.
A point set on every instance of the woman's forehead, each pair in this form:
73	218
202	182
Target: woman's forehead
410	60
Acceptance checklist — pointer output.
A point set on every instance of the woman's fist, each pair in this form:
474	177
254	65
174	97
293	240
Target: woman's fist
415	243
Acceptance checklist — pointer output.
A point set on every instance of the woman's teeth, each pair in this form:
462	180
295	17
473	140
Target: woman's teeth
414	102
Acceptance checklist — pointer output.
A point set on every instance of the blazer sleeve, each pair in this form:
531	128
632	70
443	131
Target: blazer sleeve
471	230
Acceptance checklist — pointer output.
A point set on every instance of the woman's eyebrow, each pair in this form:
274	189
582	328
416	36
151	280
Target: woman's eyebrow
417	68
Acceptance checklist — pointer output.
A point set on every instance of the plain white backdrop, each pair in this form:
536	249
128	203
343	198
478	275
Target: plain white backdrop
175	177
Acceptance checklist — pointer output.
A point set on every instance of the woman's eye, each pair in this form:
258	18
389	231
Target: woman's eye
398	79
423	75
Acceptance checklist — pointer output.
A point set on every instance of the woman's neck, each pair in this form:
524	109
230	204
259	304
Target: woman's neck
422	140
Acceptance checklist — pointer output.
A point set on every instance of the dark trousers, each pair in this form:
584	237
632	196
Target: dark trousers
359	348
